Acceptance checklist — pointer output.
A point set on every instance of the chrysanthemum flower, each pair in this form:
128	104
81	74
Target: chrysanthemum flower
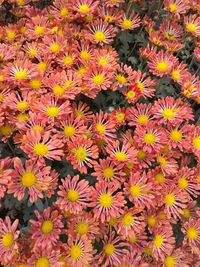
177	258
74	194
37	27
167	162
31	177
191	230
85	7
192	24
60	10
176	7
193	140
119	116
139	190
148	51
5	174
171	31
7	52
139	115
19	103
179	72
123	77
44	145
8	238
161	63
130	22
82	153
176	136
82	111
106	201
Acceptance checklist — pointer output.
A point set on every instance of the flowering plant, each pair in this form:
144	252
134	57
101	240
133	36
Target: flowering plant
99	133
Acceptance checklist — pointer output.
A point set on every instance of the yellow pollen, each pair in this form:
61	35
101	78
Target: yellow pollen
28	179
175	75
98	79
192	233
120	156
8	240
127	24
127	220
75	252
108	18
40	149
151	220
131	94
158	241
81	70
120	116
168	113
69	130
142	119
84	9
99	36
58	90
172	7
160	178
196	142
148	251
54	47
5	130
64	12
20	75
162	161
68	60
52	111
32	52
47	227
11	35
22	117
191	27
100	128
42	66
182	183
170	261
102	61
42	262
85	55
22	105
108	173
38	127
149	138
133	239
21	2
109	249
106	200
80	154
112	221
176	136
140	86
162	66
135	190
1	78
39	30
82	228
72	195
170	200
79	113
141	154
35	84
1	97
186	213
21	265
121	78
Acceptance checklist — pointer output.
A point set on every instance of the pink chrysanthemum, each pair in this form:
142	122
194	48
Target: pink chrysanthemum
5	175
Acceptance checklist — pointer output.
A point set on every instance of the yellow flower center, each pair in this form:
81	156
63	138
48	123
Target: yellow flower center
69	131
135	190
21	2
38	127
42	262
22	117
99	36
141	154
131	94
112	221
162	66
64	12
28	179
108	173
148	251
186	213
47	227
8	240
58	90
170	261
142	119
196	142
68	60
172	7
98	79
158	241
22	105
42	66
40	149
120	156
80	154
35	84
191	27
151	220
82	228
54	47
149	138
20	75
133	239
109	249
170	200
52	111
162	161
1	97
106	200
182	183
168	113
100	128
127	24
192	233
127	220
84	9
120	117
121	78
176	75
102	61
75	252
84	54
108	18
160	178
72	195
32	52
11	35
5	130
176	136
39	30
21	265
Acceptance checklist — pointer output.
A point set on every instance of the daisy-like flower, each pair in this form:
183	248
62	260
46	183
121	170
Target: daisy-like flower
192	24
85	7
119	117
174	200
31	177
191	230
82	153
101	33
74	194
139	115
8	238
46	230
108	171
167	162
161	63
123	77
7	52
60	10
190	86
113	250
37	27
39	145
163	241
176	7
193	140
148	51
150	137
82	111
5	174
129	23
177	258
171	31
78	251
19	103
121	152
106	202
130	223
139	190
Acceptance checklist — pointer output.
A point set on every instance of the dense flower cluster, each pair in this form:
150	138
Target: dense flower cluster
108	186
